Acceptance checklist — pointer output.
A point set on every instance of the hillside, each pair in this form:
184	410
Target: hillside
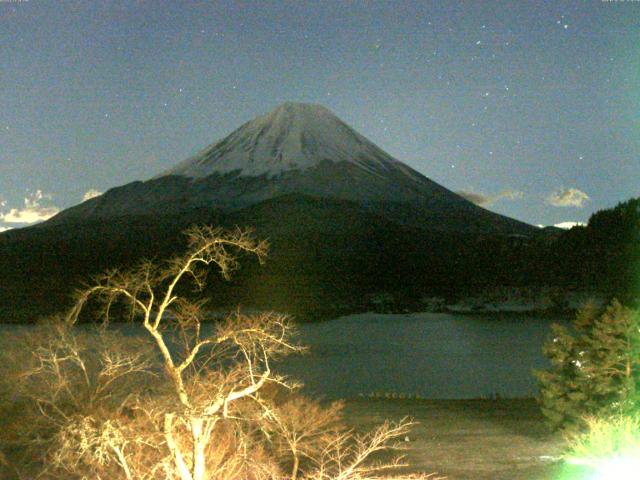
346	223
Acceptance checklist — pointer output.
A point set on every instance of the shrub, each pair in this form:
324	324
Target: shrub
609	448
605	438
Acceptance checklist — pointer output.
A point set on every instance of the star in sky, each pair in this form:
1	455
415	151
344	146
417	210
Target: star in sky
147	85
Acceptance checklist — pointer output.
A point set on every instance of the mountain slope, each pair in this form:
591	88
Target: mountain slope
294	136
327	257
297	149
345	220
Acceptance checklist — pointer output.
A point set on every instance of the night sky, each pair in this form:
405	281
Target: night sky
529	108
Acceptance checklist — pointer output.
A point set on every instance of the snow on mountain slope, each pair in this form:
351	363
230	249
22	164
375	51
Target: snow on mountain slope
297	149
294	136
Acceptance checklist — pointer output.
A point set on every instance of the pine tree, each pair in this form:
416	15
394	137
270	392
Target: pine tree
595	366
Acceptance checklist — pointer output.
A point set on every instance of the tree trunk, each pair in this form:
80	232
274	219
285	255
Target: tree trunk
199	444
178	459
296	465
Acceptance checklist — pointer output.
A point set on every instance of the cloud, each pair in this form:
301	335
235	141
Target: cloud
3	203
473	197
568	225
509	195
568	197
32	212
91	193
484	200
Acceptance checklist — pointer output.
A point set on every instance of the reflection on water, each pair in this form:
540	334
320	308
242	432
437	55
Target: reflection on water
426	354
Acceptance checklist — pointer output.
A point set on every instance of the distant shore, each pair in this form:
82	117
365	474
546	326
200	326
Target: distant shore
538	302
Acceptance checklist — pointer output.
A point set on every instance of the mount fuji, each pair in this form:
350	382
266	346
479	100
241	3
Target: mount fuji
296	149
346	222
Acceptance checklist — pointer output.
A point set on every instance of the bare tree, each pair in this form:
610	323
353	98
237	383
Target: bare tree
73	395
303	429
215	417
322	448
205	395
348	456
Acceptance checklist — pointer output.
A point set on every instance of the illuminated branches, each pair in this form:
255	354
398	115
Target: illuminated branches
77	390
188	400
209	373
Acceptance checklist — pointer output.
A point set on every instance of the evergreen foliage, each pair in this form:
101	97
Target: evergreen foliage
595	366
604	255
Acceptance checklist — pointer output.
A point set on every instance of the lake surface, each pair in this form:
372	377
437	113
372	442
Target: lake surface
427	354
432	355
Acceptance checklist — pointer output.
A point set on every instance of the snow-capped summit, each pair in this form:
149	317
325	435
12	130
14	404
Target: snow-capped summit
295	150
293	136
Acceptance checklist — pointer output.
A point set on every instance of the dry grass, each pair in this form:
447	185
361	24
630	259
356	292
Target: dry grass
608	437
470	439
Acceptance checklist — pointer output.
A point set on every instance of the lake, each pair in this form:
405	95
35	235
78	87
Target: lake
433	355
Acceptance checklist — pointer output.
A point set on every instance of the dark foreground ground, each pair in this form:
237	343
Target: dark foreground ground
471	439
463	439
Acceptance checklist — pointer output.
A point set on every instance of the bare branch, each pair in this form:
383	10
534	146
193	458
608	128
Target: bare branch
203	406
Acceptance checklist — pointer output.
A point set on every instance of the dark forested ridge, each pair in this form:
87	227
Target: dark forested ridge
604	254
326	257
